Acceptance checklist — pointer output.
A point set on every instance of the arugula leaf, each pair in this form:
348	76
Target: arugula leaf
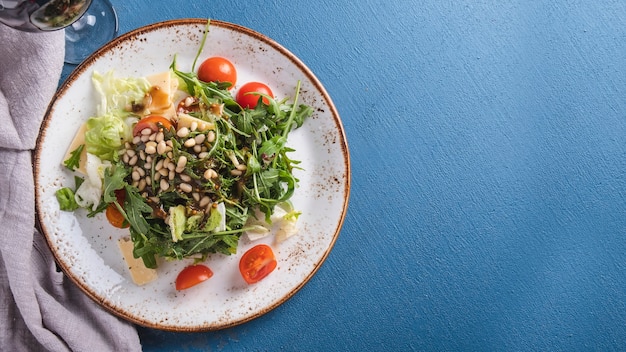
113	180
302	113
272	146
133	210
73	161
78	181
135	207
99	209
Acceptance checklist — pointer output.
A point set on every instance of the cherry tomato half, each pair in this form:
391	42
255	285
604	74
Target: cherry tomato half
246	97
113	215
258	262
217	69
152	122
192	275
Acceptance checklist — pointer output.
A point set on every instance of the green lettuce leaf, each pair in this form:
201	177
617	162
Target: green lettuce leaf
117	94
65	197
105	135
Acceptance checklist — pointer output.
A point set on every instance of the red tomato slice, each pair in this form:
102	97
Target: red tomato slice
192	275
152	122
218	69
246	97
113	215
258	262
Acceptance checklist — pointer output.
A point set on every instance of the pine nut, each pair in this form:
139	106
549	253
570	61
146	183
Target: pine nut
194	125
146	131
210	136
204	201
159	137
132	161
200	138
135	175
190	143
241	167
163	172
197	148
196	196
185	178
161	148
125	158
209	174
171	175
185	187
142	185
183	132
203	155
136	140
159	165
152	137
151	147
145	138
141	172
164	185
235	172
130	153
182	161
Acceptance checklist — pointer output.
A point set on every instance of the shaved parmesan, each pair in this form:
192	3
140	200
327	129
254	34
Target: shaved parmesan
79	139
140	274
164	86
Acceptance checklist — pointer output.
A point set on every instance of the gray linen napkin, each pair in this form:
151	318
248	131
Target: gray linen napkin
41	309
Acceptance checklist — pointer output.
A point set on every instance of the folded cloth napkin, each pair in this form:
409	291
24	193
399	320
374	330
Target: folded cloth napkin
41	309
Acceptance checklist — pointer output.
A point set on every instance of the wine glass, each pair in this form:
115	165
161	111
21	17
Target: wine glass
88	24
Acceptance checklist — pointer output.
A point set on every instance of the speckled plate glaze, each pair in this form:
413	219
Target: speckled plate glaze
86	248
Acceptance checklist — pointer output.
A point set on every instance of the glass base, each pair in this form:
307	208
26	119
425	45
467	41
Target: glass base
95	28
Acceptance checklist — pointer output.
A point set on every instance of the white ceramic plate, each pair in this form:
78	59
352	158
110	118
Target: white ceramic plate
86	248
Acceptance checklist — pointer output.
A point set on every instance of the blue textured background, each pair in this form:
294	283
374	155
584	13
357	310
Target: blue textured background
488	169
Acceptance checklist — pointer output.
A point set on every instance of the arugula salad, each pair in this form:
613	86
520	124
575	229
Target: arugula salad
183	163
